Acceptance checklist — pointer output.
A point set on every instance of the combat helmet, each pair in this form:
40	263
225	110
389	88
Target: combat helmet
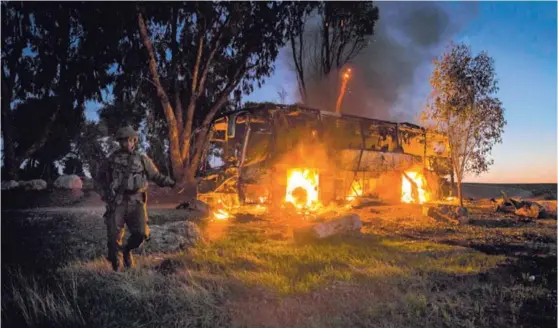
126	132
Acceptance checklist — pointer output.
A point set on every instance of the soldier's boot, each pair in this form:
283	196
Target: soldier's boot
129	261
114	255
115	260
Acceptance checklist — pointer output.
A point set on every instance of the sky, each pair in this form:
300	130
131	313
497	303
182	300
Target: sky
521	38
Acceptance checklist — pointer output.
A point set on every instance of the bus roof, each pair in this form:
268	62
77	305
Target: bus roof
271	106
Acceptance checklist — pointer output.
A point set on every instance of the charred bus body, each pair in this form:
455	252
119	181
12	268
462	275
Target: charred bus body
254	151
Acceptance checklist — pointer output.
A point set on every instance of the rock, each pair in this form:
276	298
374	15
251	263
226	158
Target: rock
37	184
9	185
174	236
336	226
68	182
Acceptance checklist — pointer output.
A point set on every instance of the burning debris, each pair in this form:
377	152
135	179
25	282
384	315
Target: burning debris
413	188
521	208
221	214
302	188
447	213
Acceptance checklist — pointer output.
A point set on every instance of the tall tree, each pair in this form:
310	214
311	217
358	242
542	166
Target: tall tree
464	106
51	53
198	57
324	36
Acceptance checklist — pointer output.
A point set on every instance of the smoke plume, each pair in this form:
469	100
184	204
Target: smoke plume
390	77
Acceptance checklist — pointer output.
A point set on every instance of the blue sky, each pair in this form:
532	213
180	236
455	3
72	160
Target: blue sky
521	37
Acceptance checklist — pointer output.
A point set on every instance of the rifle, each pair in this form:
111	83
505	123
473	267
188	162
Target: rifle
111	198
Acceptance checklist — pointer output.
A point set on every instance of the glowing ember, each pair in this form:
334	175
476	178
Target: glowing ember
411	194
221	214
346	76
302	188
355	191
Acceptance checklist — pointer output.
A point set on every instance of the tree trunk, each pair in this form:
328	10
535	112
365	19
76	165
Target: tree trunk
174	137
452	183
191	186
459	193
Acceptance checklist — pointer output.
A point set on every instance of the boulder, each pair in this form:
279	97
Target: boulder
173	237
37	184
68	182
9	185
340	225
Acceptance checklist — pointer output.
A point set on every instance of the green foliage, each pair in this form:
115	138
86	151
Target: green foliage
53	60
465	107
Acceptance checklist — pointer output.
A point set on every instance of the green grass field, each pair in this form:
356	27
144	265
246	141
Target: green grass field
402	270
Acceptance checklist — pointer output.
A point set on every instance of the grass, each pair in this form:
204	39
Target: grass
287	267
90	295
402	270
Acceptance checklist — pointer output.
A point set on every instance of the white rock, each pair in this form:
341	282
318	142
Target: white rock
9	185
37	184
340	225
68	182
173	237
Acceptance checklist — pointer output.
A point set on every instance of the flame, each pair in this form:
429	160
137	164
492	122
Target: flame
345	77
355	191
407	194
221	214
302	188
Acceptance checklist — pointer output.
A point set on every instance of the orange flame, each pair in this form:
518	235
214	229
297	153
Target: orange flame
346	76
408	195
355	191
302	188
221	214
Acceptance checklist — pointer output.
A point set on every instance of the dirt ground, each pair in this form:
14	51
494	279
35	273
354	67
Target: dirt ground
403	269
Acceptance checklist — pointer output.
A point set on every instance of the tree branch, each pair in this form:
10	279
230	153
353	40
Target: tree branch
167	108
176	87
198	148
187	134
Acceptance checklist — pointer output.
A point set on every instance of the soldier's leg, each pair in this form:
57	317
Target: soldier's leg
138	227
115	232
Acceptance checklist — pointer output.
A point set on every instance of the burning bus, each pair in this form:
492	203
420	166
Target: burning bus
279	154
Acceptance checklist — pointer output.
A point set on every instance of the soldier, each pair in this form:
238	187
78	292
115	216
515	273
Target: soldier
124	177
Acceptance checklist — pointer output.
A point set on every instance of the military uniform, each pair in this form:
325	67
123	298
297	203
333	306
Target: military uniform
126	176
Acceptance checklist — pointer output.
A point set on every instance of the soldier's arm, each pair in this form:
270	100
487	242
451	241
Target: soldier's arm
154	175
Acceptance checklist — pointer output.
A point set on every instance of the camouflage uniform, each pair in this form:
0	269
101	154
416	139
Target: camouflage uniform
130	206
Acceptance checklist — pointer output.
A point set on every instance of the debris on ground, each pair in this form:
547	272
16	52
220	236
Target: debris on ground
446	213
195	205
521	208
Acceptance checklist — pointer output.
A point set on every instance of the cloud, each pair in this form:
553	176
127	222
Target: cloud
390	77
